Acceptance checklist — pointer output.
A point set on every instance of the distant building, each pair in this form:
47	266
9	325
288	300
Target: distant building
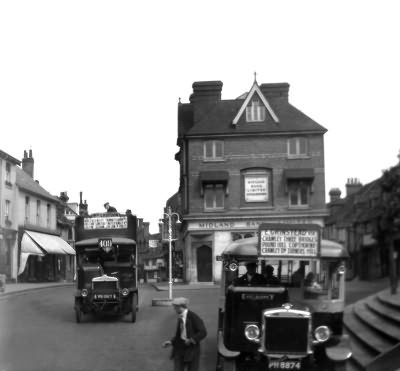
354	221
8	215
35	251
243	162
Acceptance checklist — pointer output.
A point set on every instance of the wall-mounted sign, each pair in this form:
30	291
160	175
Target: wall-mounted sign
256	188
153	243
289	240
111	222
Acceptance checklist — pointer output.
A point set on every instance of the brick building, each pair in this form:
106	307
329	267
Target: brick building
243	162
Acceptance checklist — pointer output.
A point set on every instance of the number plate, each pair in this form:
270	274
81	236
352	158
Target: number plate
104	296
284	365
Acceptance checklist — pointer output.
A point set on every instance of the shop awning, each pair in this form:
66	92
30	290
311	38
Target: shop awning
214	176
28	246
51	244
305	173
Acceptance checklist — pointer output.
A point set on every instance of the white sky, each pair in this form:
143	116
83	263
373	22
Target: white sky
92	87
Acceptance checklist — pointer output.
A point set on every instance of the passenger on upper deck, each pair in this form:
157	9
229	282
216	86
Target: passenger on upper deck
109	208
251	277
269	276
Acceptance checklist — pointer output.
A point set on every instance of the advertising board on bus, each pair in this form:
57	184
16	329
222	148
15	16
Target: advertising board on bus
289	241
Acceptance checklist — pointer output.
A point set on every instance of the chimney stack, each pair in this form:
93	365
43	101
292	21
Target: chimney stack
206	91
28	163
353	185
334	194
83	207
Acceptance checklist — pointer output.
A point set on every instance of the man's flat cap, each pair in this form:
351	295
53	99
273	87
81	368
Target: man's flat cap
180	301
107	203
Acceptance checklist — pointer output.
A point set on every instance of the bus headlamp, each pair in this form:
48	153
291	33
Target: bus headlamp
84	293
322	333
341	269
125	292
252	332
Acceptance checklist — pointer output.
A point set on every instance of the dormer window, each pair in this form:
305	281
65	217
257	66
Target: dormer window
255	112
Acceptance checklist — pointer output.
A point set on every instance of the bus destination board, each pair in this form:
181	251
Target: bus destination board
111	222
289	241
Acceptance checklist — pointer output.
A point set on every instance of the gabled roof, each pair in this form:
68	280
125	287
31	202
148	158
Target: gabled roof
217	117
255	90
25	182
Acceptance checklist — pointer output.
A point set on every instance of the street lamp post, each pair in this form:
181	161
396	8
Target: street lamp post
171	217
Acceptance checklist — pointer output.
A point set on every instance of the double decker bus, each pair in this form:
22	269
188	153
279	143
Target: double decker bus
106	265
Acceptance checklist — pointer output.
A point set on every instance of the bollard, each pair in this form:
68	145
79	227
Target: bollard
2	282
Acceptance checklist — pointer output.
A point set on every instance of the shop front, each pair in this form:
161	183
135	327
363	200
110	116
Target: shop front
204	240
45	257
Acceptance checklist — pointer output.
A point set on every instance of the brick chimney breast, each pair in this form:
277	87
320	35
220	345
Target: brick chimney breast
206	91
353	185
276	90
28	163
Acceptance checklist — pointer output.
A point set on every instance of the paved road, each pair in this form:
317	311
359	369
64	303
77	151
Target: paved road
39	332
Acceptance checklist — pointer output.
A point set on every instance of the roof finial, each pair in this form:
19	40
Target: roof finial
255	76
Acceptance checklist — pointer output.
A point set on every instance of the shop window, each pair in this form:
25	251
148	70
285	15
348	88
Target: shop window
213	150
239	235
214	195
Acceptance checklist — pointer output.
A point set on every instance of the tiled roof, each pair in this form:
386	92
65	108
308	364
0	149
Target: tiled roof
217	119
25	182
7	157
356	208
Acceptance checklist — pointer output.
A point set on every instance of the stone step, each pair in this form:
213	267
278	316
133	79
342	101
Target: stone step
390	300
362	355
366	334
388	312
377	322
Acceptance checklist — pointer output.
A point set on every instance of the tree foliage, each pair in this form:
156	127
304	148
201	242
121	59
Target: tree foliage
390	205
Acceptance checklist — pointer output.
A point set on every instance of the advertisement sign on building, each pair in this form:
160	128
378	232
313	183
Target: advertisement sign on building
289	240
256	188
153	243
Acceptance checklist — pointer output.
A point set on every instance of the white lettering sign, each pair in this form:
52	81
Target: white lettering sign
294	242
112	222
245	224
256	188
153	243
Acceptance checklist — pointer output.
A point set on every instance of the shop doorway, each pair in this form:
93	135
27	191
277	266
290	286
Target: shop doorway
204	264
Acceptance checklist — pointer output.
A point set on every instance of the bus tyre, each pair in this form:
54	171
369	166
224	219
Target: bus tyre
134	308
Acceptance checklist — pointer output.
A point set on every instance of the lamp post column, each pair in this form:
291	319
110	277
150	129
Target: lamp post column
170	253
170	215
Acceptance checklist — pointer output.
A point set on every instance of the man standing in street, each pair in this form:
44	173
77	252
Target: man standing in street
190	330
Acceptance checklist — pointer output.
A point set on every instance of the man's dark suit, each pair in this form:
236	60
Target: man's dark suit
188	354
